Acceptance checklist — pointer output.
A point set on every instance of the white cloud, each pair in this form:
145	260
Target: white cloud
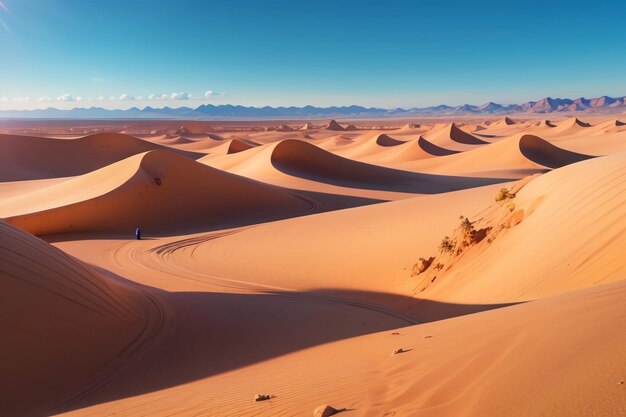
45	98
211	93
126	97
100	98
66	97
179	96
112	98
20	99
139	98
79	98
4	99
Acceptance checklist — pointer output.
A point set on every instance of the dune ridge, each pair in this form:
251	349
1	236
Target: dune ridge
307	160
377	270
28	157
514	157
158	190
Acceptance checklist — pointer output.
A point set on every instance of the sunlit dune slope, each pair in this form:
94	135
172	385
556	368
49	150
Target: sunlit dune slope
564	230
26	157
295	159
158	191
63	325
515	157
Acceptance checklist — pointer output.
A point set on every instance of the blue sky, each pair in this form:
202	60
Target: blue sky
118	54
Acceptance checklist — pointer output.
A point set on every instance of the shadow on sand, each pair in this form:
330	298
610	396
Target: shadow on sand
211	333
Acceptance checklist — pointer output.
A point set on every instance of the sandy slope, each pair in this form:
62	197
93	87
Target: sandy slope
26	157
514	157
64	327
302	165
160	192
556	357
574	217
240	296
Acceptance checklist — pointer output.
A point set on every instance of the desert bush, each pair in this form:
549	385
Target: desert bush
504	195
446	245
468	231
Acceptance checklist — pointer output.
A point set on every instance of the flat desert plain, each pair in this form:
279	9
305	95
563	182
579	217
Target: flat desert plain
470	267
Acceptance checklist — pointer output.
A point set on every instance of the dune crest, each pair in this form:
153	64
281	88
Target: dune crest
450	135
333	125
552	211
27	157
159	191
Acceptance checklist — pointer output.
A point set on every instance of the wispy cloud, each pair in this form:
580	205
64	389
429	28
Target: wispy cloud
179	96
211	94
3	6
126	97
66	97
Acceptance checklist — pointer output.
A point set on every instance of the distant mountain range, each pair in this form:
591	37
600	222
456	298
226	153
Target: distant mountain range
602	104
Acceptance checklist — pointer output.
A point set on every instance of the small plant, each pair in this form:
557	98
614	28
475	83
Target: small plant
504	194
467	227
446	245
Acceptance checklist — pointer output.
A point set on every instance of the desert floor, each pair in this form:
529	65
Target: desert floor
471	267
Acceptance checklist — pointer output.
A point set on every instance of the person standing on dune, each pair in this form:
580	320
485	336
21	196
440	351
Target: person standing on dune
138	233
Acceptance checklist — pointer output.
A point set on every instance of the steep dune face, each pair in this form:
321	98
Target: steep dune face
450	136
333	125
411	150
27	157
544	153
61	321
387	141
232	146
367	146
515	157
571	124
158	191
564	230
432	149
305	160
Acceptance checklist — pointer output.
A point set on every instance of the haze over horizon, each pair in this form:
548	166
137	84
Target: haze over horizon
406	54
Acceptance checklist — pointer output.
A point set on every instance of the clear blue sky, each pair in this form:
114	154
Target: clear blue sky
374	53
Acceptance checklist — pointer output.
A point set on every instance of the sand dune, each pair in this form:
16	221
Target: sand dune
301	159
333	125
159	191
554	357
231	146
416	271
194	128
411	150
543	124
25	157
507	121
565	220
366	145
451	137
64	327
573	123
515	157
